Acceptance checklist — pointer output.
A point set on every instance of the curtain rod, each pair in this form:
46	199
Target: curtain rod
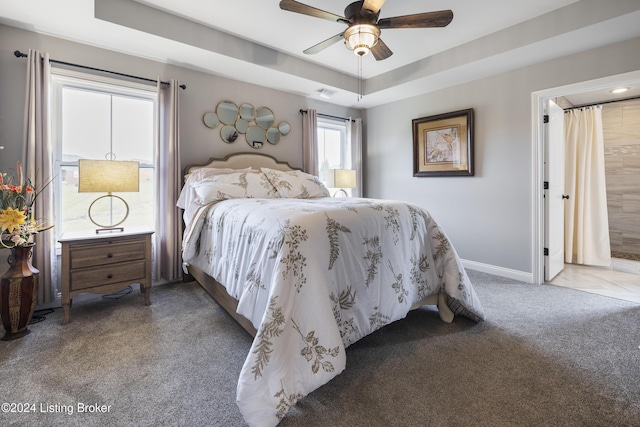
603	102
327	116
19	54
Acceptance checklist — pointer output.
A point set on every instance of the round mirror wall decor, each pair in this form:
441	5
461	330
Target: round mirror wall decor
255	136
229	134
284	128
210	119
242	125
247	112
227	112
264	117
256	124
273	136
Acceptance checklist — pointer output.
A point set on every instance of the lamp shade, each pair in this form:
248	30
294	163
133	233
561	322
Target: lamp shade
341	178
360	38
108	176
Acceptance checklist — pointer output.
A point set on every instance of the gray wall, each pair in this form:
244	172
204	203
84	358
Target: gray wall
488	217
203	92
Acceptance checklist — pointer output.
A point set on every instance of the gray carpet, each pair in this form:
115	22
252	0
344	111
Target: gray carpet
546	356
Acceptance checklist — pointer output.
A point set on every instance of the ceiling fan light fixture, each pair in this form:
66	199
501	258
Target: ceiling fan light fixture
360	38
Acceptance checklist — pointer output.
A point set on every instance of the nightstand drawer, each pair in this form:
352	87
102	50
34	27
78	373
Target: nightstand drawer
104	263
106	253
104	275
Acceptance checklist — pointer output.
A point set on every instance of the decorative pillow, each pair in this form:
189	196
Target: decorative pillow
188	193
295	184
233	186
202	173
190	201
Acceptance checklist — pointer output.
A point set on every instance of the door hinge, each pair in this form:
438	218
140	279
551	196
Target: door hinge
545	252
546	185
545	118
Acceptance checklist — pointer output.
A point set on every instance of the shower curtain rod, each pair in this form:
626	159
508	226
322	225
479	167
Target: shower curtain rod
19	54
603	102
327	116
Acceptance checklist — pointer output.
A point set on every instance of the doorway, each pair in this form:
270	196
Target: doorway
539	100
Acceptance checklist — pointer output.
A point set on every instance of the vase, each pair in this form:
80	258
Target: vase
18	293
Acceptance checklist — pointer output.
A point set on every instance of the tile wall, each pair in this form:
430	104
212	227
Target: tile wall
621	123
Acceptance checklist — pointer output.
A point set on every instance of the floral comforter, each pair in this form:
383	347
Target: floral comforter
314	276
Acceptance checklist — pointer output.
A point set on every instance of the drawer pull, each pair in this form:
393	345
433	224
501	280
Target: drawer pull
110	276
110	256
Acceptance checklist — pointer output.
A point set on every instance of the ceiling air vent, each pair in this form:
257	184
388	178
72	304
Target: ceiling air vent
326	93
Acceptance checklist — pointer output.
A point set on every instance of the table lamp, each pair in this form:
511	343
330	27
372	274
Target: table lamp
108	176
341	178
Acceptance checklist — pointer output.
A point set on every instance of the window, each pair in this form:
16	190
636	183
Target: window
334	149
93	118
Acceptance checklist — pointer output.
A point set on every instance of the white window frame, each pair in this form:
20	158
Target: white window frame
345	143
61	78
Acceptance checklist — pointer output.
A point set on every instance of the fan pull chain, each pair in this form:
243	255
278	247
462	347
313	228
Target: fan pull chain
360	83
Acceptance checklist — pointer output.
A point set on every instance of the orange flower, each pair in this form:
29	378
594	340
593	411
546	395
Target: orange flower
17	224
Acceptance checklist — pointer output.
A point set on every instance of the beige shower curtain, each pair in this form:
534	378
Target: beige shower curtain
586	217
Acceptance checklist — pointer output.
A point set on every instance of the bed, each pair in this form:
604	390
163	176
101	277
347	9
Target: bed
307	274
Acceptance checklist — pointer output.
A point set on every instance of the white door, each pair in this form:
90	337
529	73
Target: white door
554	199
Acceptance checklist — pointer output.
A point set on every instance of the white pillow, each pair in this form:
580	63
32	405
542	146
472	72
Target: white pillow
202	173
296	184
233	186
189	200
188	193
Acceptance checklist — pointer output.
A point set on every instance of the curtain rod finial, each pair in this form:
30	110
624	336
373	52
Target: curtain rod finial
19	54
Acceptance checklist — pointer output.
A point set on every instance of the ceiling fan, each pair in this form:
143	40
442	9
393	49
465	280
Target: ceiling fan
363	32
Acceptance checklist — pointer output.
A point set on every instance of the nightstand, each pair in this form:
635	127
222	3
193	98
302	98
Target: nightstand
104	263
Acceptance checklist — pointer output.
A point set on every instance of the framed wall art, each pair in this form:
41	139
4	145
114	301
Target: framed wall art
443	144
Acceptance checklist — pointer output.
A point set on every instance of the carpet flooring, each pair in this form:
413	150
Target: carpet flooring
545	356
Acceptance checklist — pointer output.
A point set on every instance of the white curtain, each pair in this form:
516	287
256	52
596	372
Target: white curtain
37	160
354	135
586	218
168	235
310	142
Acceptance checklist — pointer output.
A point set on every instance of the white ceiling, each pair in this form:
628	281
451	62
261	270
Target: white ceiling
256	41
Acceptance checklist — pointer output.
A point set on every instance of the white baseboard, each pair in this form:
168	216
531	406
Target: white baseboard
625	265
522	276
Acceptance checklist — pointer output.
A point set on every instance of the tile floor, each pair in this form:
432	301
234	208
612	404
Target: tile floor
611	283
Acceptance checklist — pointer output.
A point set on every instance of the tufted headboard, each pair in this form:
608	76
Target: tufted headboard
244	160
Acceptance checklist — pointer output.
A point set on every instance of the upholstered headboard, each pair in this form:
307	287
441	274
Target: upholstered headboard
244	160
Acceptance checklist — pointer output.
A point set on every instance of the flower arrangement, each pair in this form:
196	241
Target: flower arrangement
17	225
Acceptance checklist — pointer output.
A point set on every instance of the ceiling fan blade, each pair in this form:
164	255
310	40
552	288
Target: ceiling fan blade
381	51
441	18
297	7
323	45
373	5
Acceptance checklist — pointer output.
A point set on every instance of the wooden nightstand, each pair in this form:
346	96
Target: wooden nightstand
104	263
